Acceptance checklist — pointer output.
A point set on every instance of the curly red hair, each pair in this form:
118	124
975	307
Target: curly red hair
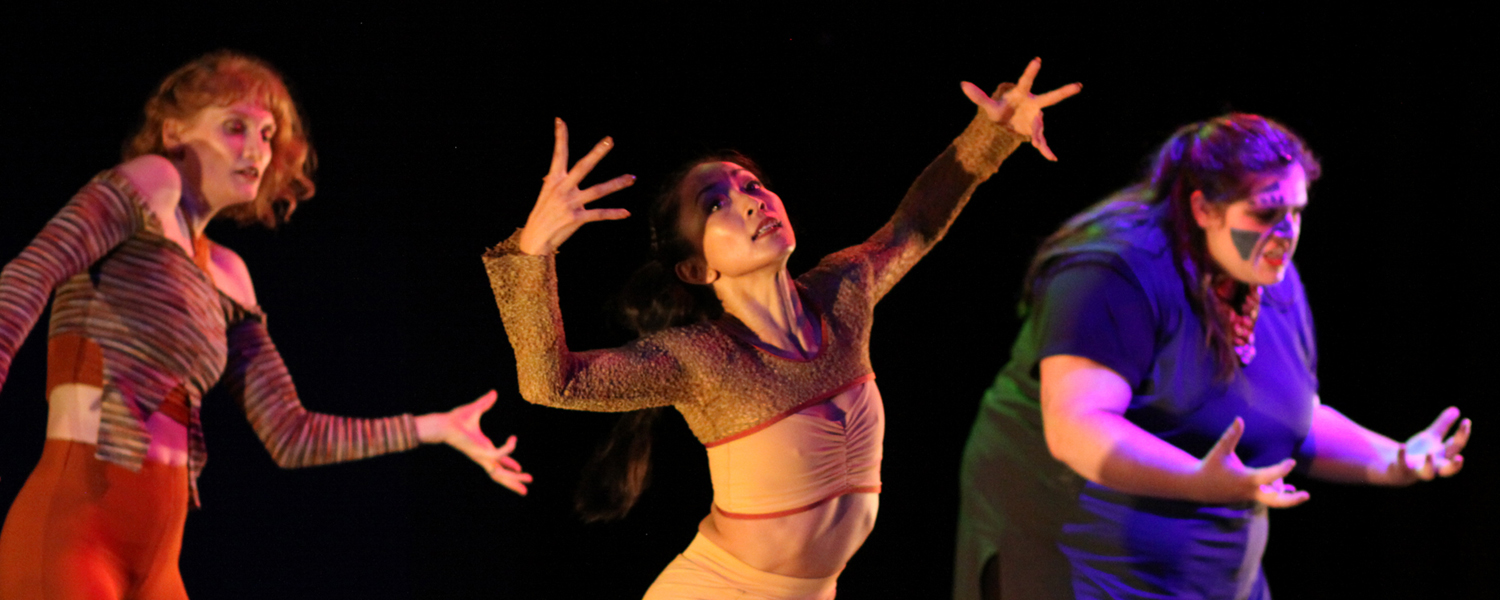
223	78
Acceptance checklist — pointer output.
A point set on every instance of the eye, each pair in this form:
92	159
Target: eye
715	203
1269	216
267	133
235	126
753	186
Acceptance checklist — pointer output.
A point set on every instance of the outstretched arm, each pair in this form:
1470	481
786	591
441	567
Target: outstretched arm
1004	121
297	437
523	276
1083	418
1345	451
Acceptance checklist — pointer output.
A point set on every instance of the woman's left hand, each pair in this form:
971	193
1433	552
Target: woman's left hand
1427	455
459	428
1018	109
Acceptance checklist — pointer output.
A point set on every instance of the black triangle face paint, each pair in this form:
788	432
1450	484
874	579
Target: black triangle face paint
1244	241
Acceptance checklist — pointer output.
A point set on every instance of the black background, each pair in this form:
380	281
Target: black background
433	128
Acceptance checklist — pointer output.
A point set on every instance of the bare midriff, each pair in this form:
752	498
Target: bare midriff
817	542
73	411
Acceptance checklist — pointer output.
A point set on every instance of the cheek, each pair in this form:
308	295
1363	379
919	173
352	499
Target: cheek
717	241
1244	241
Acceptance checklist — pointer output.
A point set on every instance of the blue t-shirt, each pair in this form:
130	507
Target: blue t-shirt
1122	302
1092	305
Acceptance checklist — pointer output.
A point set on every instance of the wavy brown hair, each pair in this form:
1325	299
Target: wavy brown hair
1218	157
223	78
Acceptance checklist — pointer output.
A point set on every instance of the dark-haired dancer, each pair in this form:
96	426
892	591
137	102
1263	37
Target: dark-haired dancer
1163	324
773	375
148	315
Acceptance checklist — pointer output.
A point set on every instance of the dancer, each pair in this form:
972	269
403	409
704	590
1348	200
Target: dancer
772	373
148	315
1163	324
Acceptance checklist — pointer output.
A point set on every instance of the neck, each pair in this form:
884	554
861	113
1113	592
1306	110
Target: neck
195	211
771	309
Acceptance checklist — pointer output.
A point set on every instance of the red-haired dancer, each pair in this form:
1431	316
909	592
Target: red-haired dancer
148	315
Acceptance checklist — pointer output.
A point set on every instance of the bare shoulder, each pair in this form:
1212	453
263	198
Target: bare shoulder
230	275
157	180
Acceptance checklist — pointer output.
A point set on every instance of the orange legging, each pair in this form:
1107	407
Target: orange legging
84	529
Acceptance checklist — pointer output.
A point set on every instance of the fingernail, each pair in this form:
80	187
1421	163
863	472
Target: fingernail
607	141
632	180
557	120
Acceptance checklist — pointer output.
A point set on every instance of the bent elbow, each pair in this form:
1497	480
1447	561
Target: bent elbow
1057	447
1063	447
283	457
541	394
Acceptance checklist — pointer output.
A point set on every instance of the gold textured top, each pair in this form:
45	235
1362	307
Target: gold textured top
720	383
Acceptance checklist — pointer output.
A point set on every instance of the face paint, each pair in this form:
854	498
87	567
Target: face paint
1253	238
1244	241
1285	227
1274	196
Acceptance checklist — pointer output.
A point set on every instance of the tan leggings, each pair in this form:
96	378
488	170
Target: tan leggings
84	529
706	571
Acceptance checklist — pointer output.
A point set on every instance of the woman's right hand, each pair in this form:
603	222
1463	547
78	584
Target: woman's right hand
559	209
1223	479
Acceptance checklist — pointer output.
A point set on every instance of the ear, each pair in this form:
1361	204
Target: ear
695	271
171	134
1205	214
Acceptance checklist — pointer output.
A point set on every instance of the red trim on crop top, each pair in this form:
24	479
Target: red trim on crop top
867	489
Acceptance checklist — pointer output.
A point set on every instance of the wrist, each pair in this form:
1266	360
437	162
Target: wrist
528	244
432	428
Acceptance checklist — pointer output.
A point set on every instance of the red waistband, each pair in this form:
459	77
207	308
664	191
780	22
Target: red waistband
869	489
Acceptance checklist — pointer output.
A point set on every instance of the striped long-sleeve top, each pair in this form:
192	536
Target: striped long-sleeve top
160	328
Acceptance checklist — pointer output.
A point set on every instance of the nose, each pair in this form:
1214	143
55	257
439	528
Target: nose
257	150
1287	226
749	204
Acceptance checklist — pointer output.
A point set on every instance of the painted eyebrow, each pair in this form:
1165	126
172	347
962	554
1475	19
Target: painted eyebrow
1272	187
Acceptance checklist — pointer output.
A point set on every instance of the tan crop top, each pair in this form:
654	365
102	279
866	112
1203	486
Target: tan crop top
826	448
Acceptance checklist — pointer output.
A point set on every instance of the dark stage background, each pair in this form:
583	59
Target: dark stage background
433	130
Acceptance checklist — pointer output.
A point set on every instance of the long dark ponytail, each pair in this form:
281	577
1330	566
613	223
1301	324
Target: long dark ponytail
654	299
1218	157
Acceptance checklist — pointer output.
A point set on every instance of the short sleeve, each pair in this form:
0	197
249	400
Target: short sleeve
1093	308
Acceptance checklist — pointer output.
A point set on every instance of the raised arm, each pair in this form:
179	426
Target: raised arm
102	215
1345	451
523	275
1004	121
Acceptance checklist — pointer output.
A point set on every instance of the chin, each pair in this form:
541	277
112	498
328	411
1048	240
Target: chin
244	197
1271	277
